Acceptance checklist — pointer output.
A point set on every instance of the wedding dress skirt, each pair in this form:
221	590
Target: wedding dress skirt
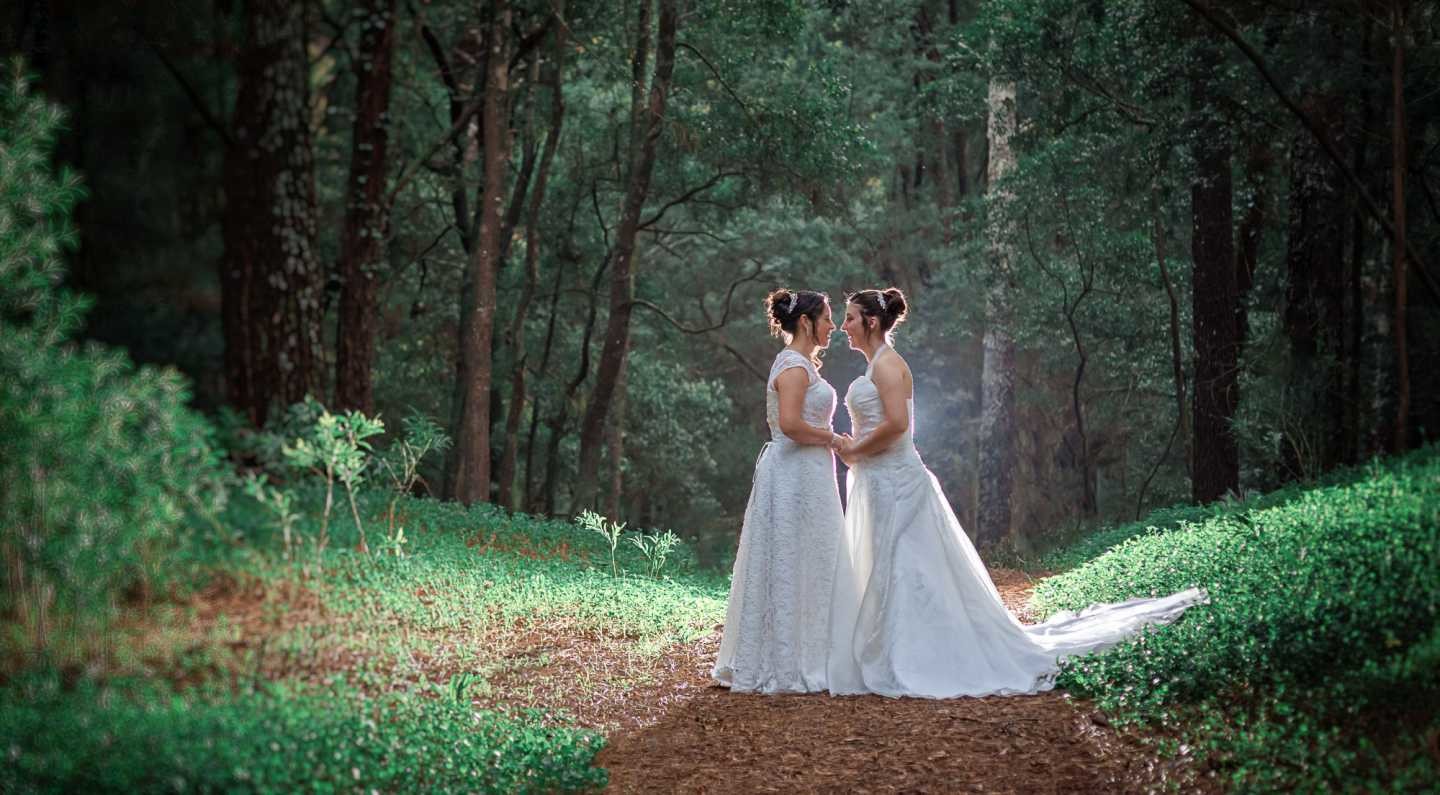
918	614
777	622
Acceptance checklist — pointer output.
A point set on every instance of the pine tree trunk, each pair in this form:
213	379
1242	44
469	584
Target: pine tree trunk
472	441
615	444
1314	295
647	119
1399	164
1213	291
270	279
366	216
997	420
518	390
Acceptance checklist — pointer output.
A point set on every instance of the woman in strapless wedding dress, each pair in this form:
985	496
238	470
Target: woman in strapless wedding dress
777	623
919	615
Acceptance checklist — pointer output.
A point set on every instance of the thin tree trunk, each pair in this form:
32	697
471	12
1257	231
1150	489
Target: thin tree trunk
518	393
646	124
366	218
1355	324
997	420
1399	165
1217	458
1315	287
472	441
615	444
270	220
1177	359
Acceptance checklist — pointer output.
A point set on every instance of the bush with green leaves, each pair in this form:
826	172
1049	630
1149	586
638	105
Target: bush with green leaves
100	461
1321	646
139	737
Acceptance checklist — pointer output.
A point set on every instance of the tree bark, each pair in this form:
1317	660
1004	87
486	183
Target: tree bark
997	421
1314	316
269	275
615	444
472	440
1399	165
367	219
518	389
1213	290
647	120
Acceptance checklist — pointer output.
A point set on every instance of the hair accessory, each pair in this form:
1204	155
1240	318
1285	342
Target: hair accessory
879	296
790	305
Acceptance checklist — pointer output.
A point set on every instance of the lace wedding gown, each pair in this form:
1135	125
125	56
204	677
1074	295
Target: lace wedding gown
777	624
921	616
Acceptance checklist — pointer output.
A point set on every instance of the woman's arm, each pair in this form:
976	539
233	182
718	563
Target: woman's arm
892	381
791	384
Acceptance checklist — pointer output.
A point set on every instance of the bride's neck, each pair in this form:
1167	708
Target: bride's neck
871	348
806	349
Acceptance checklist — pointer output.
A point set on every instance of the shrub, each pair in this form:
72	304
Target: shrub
1321	633
99	460
134	737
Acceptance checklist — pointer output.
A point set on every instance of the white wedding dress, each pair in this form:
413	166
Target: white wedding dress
777	624
919	615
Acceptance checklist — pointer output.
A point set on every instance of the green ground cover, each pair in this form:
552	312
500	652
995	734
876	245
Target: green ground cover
1317	664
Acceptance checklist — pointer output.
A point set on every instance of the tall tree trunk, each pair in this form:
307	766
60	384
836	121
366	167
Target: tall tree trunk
472	440
1314	294
518	390
615	443
1399	165
367	219
997	420
647	120
1358	366
1217	458
1252	225
269	276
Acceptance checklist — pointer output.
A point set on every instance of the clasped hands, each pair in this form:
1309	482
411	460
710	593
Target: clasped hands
843	444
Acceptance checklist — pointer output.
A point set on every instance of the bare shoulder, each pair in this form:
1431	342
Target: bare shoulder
891	368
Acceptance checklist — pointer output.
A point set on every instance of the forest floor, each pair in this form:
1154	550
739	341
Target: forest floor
669	729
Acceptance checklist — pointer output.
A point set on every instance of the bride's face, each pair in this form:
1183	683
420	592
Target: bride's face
825	328
854	326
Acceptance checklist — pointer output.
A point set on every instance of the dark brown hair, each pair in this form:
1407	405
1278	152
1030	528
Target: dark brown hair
785	316
887	306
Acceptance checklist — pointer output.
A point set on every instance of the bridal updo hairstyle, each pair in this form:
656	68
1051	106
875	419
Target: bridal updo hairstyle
784	318
886	306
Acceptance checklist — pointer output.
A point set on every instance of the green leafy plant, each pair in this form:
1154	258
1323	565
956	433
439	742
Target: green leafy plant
401	463
334	448
281	505
608	530
100	461
656	547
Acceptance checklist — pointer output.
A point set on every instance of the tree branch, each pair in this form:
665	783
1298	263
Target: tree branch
210	117
1411	255
688	195
724	316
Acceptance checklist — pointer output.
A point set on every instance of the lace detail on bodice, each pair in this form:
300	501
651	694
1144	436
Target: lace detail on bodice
819	396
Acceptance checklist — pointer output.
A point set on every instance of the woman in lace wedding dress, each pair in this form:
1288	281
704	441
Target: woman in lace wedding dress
928	620
777	624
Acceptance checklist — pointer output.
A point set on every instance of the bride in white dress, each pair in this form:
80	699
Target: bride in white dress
928	620
777	625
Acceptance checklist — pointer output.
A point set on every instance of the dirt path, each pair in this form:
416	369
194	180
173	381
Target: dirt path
702	738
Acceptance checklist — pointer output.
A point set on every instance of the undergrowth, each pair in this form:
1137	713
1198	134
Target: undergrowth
1317	663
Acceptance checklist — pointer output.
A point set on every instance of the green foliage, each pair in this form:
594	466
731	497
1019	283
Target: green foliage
492	566
334	448
656	547
100	461
1321	631
606	529
134	737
